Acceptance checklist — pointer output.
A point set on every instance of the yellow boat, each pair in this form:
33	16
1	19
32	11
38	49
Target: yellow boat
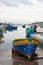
20	41
35	41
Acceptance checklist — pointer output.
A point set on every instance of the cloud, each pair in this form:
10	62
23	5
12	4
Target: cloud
15	2
40	1
2	5
27	2
28	10
9	2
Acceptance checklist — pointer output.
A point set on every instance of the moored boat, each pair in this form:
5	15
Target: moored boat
28	49
9	27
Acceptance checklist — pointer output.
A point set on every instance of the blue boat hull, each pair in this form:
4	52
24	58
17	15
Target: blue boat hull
26	49
9	28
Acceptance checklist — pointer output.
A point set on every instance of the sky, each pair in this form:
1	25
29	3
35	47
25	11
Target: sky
21	11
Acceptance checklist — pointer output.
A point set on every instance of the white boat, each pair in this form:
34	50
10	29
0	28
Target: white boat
39	29
38	37
2	27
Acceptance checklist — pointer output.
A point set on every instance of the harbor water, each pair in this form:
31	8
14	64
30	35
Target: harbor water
6	49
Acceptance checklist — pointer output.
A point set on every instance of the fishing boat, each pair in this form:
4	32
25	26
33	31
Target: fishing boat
24	47
39	30
9	27
38	37
2	27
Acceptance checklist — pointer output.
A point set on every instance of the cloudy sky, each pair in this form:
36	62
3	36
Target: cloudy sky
19	11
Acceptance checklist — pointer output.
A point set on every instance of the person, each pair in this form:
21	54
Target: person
35	27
